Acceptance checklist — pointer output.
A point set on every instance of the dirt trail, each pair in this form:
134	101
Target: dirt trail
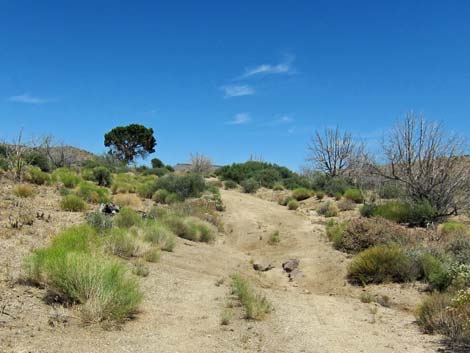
318	312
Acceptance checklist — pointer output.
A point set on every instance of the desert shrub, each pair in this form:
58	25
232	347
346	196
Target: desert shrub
155	171
92	193
250	186
127	200
160	195
301	194
362	233
152	255
122	243
390	191
188	185
69	268
284	201
205	208
39	160
66	176
292	204
38	177
320	195
23	190
368	210
346	205
354	195
230	184
328	209
337	196
256	306
452	227
159	234
267	177
260	171
101	286
459	248
72	203
198	230
127	218
331	185
87	174
274	238
335	232
381	263
296	181
3	163
124	183
139	269
102	176
146	190
172	197
278	187
215	183
415	214
447	315
99	221
436	273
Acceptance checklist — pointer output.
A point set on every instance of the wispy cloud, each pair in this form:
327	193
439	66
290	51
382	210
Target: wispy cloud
26	98
285	120
240	119
237	90
284	67
282	120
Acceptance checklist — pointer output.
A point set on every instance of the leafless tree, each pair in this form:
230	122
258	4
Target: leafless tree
17	157
428	162
201	164
331	151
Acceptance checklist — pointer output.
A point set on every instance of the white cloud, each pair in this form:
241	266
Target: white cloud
28	99
237	90
285	119
239	119
269	69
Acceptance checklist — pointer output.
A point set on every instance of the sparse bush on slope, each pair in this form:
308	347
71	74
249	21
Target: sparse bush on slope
72	203
256	306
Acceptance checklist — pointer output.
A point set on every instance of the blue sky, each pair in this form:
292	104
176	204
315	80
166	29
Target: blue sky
230	79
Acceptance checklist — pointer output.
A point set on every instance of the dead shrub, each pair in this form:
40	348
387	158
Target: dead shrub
127	200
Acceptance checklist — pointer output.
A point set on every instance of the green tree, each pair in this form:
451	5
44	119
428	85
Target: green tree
129	142
157	163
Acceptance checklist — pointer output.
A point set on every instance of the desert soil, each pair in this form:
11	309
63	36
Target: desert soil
186	292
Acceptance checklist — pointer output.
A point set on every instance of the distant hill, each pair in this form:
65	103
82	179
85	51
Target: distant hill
184	167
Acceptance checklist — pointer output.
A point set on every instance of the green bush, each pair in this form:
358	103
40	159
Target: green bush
459	249
263	173
335	232
292	205
284	201
102	176
346	205
188	228
390	191
160	235
71	269
331	185
250	186
368	210
66	177
127	218
452	227
354	195
435	272
320	195
172	198
92	193
230	184
39	160
278	187
188	185
99	221
274	238
160	195
122	243
301	194
431	315
328	209
146	190
38	177
256	306
72	203
414	214
381	263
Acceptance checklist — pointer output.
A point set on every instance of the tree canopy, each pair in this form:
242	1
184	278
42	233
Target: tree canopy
131	141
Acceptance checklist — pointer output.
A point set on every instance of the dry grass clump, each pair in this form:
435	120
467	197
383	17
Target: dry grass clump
274	238
301	194
161	235
346	205
23	190
328	209
256	305
127	218
292	205
127	200
122	243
